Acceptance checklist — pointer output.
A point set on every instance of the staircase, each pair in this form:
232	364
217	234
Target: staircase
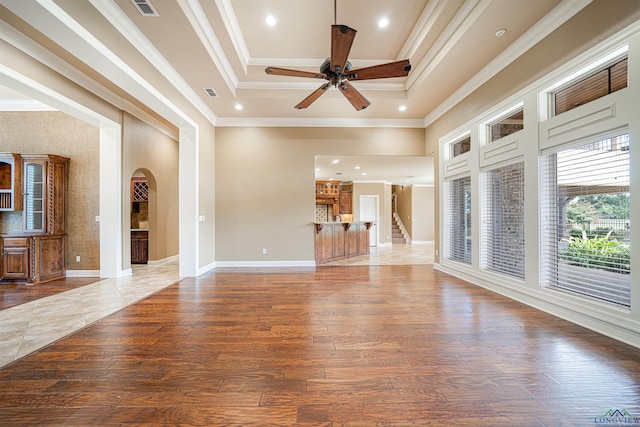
396	233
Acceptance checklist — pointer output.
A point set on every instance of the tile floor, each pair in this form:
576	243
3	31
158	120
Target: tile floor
28	327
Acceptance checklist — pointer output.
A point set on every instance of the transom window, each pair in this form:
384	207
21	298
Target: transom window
504	126
604	81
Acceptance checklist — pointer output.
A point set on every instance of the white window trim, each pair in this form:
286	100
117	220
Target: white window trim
602	317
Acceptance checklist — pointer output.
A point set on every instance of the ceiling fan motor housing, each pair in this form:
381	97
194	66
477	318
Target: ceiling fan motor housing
326	67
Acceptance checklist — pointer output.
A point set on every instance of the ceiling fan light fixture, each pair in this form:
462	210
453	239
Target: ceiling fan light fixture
338	72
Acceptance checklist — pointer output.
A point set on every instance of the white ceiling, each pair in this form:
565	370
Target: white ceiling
400	170
139	62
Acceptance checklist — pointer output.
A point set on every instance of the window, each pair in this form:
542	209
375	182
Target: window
458	220
503	220
505	126
603	82
461	147
586	221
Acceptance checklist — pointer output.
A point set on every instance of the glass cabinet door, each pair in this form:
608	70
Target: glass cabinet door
34	197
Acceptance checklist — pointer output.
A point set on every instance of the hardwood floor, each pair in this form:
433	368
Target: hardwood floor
332	346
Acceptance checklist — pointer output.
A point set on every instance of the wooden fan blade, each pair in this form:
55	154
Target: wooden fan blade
356	99
341	41
382	71
293	73
314	95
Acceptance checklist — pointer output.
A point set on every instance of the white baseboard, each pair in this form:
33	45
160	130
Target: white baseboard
422	242
83	273
206	269
599	317
164	260
221	264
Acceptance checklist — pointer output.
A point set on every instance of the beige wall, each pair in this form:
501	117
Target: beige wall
265	185
63	135
155	154
207	202
422	219
593	24
203	138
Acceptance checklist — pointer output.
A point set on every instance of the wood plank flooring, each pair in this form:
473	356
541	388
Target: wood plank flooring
334	346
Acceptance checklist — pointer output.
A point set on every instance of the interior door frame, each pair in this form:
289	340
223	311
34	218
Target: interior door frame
374	240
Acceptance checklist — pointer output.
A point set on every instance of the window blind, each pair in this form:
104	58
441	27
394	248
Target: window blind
457	242
586	222
503	220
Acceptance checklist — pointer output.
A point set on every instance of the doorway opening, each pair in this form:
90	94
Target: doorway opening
142	209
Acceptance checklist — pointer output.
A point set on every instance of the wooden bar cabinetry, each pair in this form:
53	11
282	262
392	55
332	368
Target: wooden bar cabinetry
37	253
338	240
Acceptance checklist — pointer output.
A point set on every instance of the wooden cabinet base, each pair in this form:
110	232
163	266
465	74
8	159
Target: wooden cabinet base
139	247
33	259
338	240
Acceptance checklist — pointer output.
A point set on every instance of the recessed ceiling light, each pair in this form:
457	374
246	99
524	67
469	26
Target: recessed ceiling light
364	173
317	169
402	108
383	23
357	167
501	32
271	20
238	107
335	162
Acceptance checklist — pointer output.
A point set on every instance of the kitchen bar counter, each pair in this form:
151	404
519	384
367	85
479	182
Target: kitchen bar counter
338	240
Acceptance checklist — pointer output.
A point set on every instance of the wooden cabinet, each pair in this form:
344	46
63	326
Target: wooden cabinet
38	254
139	247
15	258
346	203
45	193
327	188
339	240
10	182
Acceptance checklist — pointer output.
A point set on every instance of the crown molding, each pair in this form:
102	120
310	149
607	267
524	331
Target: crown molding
464	18
45	57
23	105
319	122
202	27
311	62
311	84
558	16
427	19
121	22
235	33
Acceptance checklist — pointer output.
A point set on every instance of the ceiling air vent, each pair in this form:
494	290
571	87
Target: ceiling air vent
210	92
145	7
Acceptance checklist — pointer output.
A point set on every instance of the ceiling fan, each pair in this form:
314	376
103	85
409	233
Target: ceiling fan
338	72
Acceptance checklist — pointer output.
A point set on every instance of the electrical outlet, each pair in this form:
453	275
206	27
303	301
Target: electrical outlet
77	258
436	252
264	251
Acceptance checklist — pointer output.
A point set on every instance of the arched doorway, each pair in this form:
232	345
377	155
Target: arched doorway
142	215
